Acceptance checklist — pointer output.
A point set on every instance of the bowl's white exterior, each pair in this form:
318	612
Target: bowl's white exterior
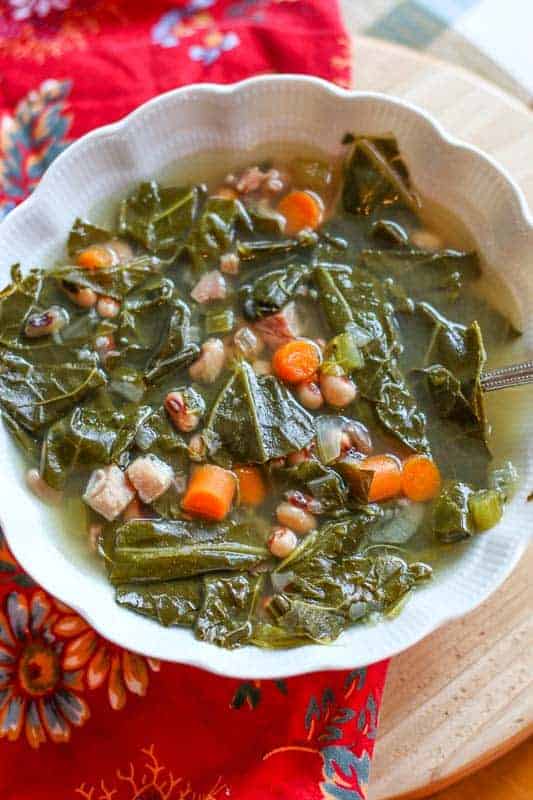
273	108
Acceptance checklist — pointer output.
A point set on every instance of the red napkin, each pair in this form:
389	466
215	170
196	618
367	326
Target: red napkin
80	717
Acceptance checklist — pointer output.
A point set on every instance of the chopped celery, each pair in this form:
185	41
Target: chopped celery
486	508
220	322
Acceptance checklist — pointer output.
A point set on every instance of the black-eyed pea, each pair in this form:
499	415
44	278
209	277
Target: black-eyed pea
297	519
282	542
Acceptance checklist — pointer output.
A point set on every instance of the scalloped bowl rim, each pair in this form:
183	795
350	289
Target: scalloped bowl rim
250	662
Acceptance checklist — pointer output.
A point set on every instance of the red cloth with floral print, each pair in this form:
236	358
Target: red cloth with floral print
80	717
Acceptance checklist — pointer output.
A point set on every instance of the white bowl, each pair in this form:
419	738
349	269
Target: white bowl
305	111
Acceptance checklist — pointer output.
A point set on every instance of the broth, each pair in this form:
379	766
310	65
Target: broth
372	547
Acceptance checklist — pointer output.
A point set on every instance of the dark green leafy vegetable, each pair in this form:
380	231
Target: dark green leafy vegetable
452	520
453	398
160	218
321	482
86	438
152	550
376	175
36	395
421	274
156	434
309	620
153	330
389	232
225	617
168	602
214	232
17	301
256	419
350	296
115	281
273	290
84	234
308	173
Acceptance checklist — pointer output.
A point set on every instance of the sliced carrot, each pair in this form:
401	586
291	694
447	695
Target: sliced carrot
252	487
301	210
210	492
421	479
95	257
387	477
296	361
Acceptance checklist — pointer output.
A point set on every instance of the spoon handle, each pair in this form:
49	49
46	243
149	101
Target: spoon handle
504	377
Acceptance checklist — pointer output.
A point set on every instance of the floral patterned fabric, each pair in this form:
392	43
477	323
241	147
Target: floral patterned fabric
79	716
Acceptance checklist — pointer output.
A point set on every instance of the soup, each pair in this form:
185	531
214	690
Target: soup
264	391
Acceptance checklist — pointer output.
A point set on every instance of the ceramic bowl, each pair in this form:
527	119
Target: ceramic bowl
172	129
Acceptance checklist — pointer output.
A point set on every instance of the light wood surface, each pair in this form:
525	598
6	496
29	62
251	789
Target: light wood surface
464	695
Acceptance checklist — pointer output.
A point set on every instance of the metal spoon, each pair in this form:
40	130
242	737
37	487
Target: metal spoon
505	377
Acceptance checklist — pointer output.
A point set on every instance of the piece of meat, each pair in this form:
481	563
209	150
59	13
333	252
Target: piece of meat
209	364
108	492
230	263
211	286
150	476
279	328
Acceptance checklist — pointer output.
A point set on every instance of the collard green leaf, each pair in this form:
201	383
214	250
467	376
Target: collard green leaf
273	637
225	617
273	290
265	219
390	233
312	477
152	550
87	438
421	274
116	281
214	232
176	349
35	395
27	444
169	602
351	295
450	393
255	419
84	234
452	520
160	218
157	434
153	330
312	621
376	175
17	301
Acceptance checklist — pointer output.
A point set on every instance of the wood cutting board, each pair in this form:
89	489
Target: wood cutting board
464	695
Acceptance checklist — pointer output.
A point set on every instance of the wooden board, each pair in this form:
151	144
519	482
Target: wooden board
464	695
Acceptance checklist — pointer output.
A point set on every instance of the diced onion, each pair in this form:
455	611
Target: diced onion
329	432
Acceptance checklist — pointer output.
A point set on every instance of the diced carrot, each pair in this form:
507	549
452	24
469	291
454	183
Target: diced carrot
252	488
387	477
301	210
210	492
296	361
421	479
226	192
95	257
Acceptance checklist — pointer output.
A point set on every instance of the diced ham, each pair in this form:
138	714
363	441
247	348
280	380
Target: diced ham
254	178
211	286
251	180
229	263
209	364
108	492
279	328
150	476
